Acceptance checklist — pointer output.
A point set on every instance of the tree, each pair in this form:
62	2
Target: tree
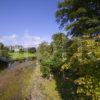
53	55
79	17
75	60
3	55
44	56
32	50
83	62
59	50
3	51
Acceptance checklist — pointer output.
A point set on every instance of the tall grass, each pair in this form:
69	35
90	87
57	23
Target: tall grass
15	83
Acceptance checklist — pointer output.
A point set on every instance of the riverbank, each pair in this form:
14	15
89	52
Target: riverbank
25	82
15	83
43	89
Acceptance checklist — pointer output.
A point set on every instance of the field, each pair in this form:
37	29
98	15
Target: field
21	55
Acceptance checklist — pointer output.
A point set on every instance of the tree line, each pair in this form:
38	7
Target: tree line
76	59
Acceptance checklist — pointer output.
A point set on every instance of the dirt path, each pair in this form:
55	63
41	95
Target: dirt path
43	89
36	93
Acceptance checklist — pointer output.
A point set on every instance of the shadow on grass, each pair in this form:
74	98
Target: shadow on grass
67	88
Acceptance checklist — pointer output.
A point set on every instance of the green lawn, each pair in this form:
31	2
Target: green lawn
21	56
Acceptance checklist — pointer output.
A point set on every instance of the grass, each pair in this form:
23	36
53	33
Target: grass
50	90
43	89
22	81
15	83
21	55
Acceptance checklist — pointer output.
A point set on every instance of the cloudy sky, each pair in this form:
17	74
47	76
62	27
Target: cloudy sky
26	39
27	22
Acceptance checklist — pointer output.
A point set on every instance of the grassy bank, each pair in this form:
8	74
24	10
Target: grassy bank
25	82
16	83
43	89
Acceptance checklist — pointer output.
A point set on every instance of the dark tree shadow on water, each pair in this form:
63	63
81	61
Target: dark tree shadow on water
3	65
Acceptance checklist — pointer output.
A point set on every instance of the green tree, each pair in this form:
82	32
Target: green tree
32	50
84	64
79	17
44	56
53	55
76	59
3	51
59	50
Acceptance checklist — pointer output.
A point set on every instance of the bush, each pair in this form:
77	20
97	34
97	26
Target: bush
45	71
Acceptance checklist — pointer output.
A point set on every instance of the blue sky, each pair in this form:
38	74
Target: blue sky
31	18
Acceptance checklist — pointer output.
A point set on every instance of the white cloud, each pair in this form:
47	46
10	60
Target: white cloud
26	40
13	36
30	40
6	37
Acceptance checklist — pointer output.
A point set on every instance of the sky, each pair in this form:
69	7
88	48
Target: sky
27	22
